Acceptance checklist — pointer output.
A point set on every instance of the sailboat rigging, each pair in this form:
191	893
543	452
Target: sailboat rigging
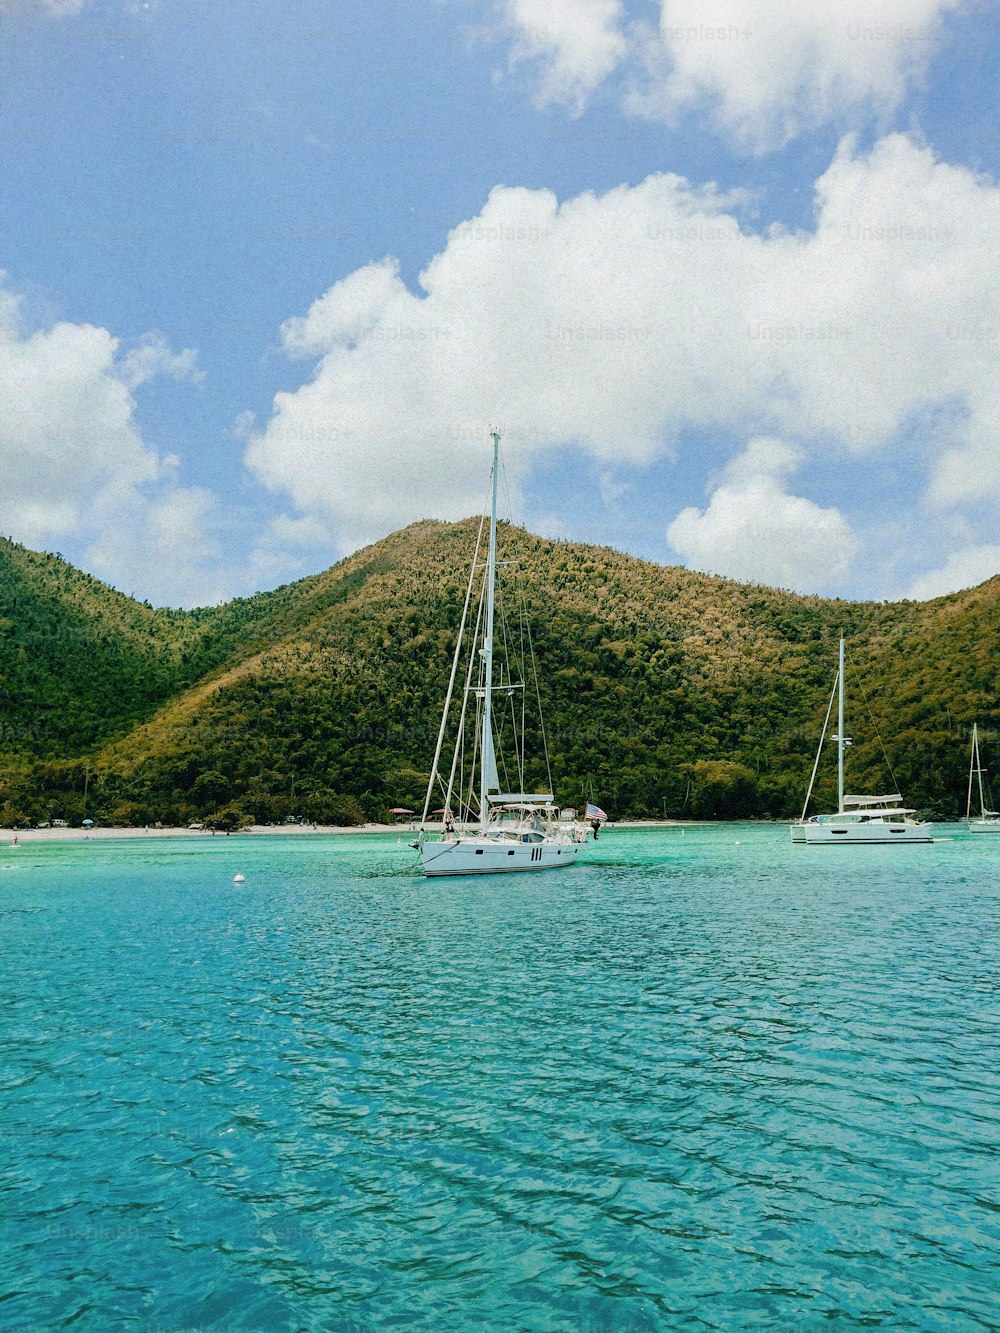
487	830
858	820
989	820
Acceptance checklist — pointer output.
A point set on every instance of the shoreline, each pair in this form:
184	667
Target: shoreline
98	833
39	835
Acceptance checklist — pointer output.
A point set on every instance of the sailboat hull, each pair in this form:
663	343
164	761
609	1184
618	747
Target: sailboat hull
517	831
868	834
489	856
860	821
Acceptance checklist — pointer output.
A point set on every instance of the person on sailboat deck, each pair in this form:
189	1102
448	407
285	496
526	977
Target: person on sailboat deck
449	825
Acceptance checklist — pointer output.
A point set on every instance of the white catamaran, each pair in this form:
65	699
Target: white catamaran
989	820
859	820
490	831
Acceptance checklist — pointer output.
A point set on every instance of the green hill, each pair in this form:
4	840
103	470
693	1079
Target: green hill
665	691
80	662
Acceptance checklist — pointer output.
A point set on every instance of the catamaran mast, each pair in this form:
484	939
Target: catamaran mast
975	766
487	760
840	731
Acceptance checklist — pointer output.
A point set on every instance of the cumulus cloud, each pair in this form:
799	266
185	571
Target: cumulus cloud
962	569
165	548
575	44
772	70
754	529
150	356
290	548
74	466
765	73
618	322
67	430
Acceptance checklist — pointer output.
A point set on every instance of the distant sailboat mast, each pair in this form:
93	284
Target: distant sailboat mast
488	767
840	730
987	821
858	819
975	766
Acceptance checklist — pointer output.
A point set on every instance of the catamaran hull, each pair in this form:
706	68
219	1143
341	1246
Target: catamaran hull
473	857
859	835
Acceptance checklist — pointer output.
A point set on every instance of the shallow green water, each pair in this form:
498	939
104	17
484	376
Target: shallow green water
705	1080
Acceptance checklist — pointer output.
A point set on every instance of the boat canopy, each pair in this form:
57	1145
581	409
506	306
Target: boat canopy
872	800
864	812
520	798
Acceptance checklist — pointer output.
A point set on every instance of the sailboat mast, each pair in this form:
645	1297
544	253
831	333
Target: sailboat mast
840	731
972	769
487	763
975	766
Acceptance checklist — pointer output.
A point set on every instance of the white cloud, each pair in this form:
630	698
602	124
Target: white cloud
771	70
962	569
53	8
298	532
290	548
575	44
151	356
67	432
348	313
765	72
616	322
612	490
755	530
553	526
74	467
166	548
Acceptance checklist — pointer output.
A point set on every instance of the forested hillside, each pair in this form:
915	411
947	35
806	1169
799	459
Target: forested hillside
665	691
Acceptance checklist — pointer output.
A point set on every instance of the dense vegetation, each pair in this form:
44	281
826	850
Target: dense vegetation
665	691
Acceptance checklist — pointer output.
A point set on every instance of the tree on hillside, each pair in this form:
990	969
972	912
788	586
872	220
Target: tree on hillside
721	789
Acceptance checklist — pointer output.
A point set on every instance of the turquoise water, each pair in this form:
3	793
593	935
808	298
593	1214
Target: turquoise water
707	1080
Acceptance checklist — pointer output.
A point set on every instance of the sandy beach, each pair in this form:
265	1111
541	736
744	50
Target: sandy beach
282	830
25	836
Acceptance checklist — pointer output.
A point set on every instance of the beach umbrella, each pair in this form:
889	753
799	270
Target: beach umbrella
88	823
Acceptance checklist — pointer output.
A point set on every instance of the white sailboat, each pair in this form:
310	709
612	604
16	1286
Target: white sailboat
489	831
859	820
989	820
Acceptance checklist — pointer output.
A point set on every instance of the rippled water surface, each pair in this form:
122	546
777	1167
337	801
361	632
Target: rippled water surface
705	1080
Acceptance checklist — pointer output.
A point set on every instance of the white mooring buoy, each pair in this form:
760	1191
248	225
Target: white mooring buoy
239	879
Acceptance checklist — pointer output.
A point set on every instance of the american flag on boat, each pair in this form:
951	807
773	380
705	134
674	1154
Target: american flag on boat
595	812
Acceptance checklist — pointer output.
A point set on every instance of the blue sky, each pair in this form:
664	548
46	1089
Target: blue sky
726	275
